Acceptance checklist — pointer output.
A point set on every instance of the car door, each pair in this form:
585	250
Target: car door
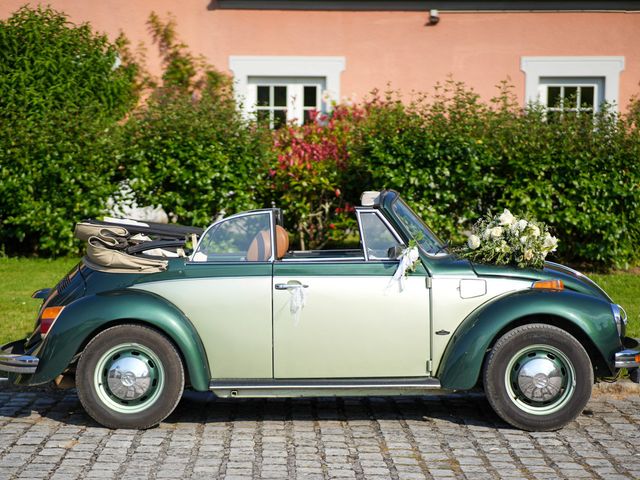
225	291
356	322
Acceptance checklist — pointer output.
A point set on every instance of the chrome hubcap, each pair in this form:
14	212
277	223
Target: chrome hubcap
129	378
540	379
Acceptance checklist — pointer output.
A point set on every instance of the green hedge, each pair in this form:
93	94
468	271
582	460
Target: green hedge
455	158
71	128
60	95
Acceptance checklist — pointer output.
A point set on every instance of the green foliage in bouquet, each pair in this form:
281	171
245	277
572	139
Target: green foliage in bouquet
504	239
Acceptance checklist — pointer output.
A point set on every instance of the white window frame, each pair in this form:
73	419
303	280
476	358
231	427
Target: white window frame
295	95
596	82
607	68
244	67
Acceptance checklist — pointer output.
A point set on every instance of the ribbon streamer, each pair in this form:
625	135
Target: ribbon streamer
296	303
408	258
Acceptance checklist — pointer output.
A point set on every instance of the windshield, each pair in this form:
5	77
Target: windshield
425	238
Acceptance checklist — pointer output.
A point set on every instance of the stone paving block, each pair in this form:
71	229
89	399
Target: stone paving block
452	436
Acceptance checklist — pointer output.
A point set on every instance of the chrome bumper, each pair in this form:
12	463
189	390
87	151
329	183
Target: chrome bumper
15	363
627	359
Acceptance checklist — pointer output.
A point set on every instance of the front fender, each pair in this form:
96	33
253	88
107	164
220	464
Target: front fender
88	314
463	357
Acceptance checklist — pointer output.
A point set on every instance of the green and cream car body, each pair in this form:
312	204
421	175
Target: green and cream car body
244	316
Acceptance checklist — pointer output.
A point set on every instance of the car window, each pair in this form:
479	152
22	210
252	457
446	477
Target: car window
238	239
422	234
378	239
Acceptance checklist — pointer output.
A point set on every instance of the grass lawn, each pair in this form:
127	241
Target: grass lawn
20	277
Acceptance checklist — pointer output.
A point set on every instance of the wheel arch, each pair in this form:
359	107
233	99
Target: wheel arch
600	366
136	321
81	320
588	319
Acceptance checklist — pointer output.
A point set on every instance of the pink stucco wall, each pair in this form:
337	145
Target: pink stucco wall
380	47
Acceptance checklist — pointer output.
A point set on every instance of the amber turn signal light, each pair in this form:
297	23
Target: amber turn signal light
47	318
549	285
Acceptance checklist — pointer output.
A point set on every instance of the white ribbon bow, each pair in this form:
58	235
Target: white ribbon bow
408	258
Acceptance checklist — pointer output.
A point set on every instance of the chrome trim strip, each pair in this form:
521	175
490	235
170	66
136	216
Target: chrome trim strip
323	259
418	384
626	359
10	362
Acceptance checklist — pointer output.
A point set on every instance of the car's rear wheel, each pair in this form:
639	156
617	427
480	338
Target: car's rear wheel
538	377
129	376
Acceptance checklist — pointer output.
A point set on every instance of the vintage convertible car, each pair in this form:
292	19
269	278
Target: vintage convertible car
243	316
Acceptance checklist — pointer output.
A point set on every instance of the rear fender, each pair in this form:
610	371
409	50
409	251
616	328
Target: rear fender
80	320
464	355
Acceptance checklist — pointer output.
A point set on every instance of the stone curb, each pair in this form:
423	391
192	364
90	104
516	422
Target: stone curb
620	387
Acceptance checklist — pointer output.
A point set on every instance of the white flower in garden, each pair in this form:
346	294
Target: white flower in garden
522	224
523	239
506	218
473	242
535	231
550	243
496	232
528	255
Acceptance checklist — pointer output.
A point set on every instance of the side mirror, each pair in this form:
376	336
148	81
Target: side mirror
395	251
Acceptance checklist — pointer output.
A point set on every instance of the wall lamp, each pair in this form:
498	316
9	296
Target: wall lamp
434	17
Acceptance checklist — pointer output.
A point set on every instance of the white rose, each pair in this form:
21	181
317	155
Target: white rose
523	239
506	218
535	231
473	242
486	234
550	243
528	255
522	224
496	232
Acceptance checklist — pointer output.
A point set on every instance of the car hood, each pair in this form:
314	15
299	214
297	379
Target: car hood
572	279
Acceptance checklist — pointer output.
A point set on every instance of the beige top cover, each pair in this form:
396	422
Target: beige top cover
102	257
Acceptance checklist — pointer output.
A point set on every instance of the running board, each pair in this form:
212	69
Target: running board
322	387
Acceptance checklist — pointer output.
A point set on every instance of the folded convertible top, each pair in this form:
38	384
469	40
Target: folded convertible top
130	246
161	230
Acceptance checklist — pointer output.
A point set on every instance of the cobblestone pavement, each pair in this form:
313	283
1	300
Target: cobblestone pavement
46	434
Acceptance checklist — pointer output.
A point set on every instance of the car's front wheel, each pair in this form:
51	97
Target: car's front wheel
538	377
129	376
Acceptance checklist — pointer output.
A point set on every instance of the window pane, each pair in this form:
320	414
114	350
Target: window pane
553	97
263	116
377	237
554	116
310	96
306	116
279	118
280	96
570	97
245	238
263	96
586	97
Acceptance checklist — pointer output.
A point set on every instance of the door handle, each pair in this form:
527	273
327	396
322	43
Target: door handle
289	286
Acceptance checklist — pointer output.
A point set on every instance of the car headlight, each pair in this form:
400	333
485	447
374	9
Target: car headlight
620	317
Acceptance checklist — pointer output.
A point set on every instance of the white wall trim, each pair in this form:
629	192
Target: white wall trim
244	67
607	67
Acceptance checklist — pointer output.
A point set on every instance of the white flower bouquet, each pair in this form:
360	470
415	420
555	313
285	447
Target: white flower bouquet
508	240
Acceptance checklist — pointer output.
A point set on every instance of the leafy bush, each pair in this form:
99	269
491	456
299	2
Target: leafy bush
311	177
455	158
60	92
188	148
